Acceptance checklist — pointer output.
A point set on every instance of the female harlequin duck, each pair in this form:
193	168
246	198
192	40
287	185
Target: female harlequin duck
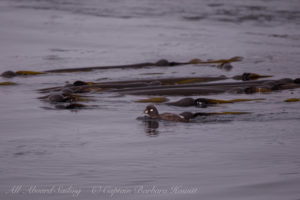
153	113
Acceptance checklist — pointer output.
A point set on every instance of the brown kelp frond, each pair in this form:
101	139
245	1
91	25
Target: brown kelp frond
292	100
11	74
26	73
7	83
220	61
160	63
153	100
218	101
101	86
191	80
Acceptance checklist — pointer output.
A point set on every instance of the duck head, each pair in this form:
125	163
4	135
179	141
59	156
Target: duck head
151	111
201	102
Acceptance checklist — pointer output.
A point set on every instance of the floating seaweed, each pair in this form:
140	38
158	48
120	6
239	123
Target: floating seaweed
10	74
220	61
211	88
160	63
153	100
26	73
7	83
292	100
168	87
134	83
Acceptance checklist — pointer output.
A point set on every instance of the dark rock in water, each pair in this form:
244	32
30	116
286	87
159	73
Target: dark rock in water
297	81
8	74
79	83
162	62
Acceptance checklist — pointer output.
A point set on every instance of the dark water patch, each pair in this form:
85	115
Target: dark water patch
194	17
215	4
30	152
59	50
52	57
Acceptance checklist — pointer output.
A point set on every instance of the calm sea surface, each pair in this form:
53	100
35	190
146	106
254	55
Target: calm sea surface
106	153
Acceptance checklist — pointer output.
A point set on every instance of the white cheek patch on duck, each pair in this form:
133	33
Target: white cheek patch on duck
151	110
146	111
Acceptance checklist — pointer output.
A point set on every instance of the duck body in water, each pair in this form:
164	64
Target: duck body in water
153	113
186	102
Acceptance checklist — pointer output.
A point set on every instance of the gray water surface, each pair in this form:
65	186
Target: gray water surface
105	153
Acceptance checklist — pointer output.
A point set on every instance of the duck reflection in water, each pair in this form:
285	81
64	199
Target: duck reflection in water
151	128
